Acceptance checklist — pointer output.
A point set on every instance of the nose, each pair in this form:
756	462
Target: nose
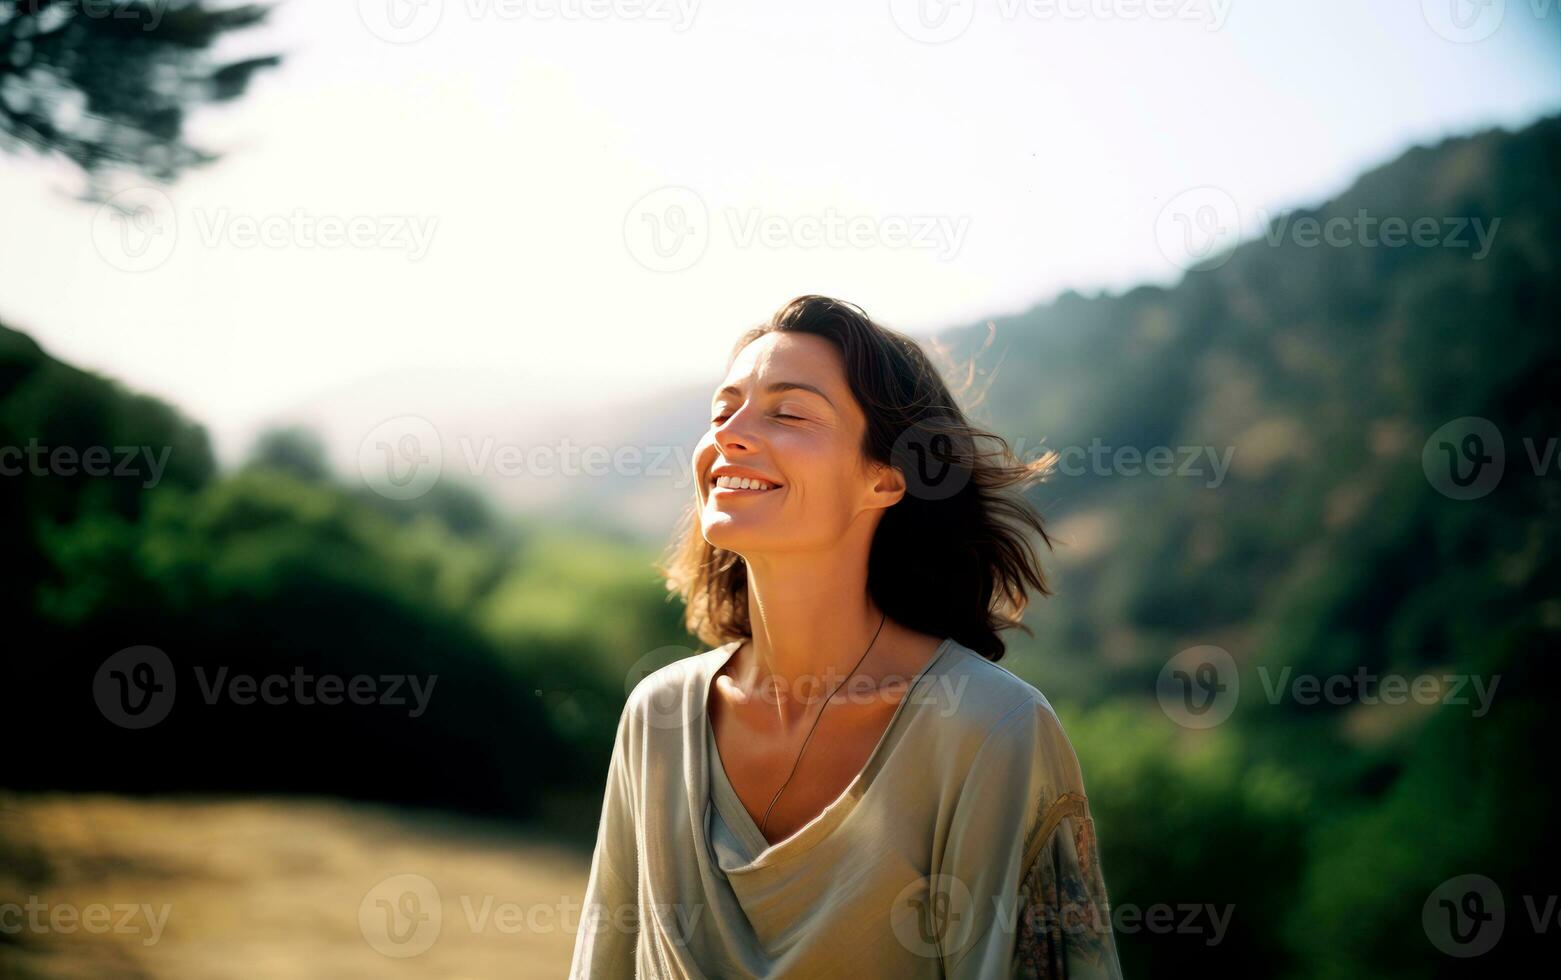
734	435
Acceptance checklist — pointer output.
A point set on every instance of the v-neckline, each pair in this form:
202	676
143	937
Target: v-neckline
723	795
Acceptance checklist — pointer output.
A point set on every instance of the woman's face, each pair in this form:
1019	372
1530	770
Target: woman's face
785	415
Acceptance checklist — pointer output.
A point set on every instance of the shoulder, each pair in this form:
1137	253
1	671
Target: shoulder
1007	721
986	698
670	694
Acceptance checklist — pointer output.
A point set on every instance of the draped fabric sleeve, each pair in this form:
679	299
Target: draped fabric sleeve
609	926
1021	868
1063	927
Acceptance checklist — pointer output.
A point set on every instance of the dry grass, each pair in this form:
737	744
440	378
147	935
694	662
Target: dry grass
271	888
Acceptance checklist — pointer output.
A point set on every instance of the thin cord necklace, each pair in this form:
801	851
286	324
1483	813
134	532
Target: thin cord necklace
765	822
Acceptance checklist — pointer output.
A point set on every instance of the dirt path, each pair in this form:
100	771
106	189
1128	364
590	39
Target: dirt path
94	886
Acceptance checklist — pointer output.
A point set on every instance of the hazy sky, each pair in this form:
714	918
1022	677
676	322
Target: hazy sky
576	201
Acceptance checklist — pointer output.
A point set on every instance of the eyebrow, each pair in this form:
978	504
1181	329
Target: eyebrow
776	386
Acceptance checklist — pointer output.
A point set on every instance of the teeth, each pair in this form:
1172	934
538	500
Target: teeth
742	483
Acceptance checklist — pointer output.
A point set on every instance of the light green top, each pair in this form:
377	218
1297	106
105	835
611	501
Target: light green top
964	847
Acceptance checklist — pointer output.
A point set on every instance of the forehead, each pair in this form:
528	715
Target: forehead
789	357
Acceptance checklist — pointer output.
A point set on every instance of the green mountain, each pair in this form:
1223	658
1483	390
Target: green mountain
1329	552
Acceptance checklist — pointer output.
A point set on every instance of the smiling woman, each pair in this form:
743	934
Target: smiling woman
853	550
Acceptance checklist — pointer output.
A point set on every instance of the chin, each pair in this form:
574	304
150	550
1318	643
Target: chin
727	532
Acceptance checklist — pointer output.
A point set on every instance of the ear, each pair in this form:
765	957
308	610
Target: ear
888	486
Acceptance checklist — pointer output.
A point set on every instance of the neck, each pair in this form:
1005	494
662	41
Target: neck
812	620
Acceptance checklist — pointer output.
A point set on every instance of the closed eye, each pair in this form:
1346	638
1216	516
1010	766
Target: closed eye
780	415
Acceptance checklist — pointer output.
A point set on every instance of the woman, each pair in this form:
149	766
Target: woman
847	785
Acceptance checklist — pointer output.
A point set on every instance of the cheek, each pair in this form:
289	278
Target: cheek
704	449
823	474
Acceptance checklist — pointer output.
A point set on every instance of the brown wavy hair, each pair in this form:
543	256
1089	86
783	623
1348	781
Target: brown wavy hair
952	557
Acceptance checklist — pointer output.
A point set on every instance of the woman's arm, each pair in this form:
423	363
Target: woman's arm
1064	922
1021	863
609	924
